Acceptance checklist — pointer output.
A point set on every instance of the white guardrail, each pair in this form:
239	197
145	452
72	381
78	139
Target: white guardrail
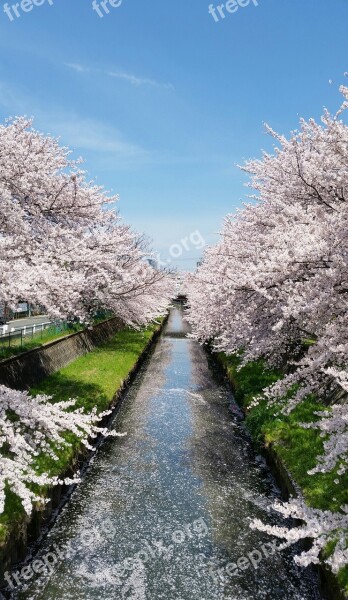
5	330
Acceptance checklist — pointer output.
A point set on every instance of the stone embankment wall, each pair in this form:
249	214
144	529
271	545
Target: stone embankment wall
28	369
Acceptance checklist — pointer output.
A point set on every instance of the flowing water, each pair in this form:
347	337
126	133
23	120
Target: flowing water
164	512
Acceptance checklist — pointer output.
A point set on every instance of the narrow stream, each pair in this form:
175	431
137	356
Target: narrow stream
164	512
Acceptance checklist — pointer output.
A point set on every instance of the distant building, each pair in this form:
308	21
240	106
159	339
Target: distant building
152	262
23	309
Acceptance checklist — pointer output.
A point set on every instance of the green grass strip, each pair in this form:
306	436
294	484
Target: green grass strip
93	380
297	447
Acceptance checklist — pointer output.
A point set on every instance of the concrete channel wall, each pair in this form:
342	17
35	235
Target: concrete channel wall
28	369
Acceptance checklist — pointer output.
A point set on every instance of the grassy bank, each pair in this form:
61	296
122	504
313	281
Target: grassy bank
93	380
19	345
297	447
15	344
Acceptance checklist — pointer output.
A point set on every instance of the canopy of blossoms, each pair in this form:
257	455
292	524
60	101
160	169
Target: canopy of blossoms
276	285
62	246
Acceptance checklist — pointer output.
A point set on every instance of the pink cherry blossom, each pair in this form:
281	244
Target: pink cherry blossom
275	288
62	246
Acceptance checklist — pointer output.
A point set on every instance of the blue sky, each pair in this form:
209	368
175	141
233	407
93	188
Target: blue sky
163	102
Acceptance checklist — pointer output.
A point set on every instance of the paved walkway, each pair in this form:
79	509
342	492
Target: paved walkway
28	322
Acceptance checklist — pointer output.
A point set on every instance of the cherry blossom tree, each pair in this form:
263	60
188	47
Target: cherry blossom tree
276	285
60	246
280	273
63	246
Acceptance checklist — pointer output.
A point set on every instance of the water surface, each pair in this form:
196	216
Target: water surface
164	512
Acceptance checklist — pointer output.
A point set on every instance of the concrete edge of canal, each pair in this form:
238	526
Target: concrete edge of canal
329	584
29	530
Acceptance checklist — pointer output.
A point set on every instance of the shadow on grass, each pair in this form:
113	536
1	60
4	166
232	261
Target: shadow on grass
62	388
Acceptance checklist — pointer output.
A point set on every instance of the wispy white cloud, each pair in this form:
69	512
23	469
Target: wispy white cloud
129	77
103	145
91	134
86	134
138	81
77	67
80	133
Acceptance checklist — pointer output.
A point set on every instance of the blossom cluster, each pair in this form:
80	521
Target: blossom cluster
321	526
276	285
29	426
62	246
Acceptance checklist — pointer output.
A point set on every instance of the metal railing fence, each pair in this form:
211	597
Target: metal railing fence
30	336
